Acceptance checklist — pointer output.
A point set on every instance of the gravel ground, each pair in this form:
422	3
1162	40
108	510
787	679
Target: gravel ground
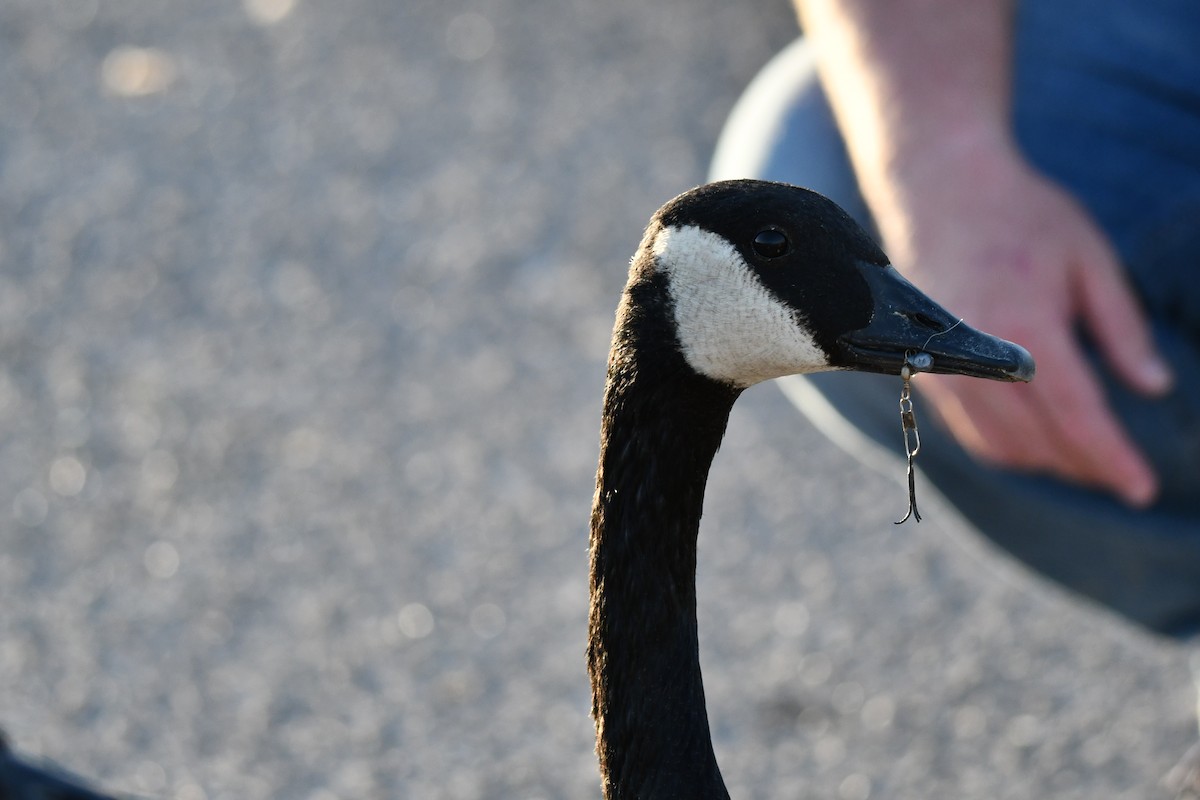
303	315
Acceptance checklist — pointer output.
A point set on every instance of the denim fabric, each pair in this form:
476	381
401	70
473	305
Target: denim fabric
1106	102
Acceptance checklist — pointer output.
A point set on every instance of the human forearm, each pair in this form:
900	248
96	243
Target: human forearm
921	90
916	85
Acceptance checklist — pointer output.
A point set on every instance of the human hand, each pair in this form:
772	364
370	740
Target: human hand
1016	256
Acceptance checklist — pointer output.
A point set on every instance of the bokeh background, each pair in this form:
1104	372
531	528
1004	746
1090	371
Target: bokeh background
304	307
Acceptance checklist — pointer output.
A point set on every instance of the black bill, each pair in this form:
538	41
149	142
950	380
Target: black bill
906	323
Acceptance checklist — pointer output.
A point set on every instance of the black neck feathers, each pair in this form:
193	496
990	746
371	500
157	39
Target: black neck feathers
662	425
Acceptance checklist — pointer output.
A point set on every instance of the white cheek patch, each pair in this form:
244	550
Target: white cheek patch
731	328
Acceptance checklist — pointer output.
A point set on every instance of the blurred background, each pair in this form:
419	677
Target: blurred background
304	308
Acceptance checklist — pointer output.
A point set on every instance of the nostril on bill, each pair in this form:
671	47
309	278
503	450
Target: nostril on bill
927	322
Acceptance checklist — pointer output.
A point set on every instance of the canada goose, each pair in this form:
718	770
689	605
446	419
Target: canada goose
734	283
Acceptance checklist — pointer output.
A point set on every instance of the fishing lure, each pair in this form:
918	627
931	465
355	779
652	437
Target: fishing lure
913	363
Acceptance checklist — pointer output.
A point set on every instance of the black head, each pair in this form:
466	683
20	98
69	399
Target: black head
802	247
769	279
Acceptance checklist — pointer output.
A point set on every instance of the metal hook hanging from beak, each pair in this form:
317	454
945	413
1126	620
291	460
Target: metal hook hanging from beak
913	363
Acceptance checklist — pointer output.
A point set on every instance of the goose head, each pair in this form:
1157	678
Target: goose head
767	279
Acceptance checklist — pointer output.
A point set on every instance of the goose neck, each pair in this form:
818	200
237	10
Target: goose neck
662	427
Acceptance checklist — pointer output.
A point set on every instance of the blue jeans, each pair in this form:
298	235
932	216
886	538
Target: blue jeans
1107	103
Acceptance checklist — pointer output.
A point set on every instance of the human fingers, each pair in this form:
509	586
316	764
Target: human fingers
1114	317
997	424
1089	443
1059	425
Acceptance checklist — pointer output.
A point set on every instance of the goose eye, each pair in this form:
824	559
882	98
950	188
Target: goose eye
771	243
